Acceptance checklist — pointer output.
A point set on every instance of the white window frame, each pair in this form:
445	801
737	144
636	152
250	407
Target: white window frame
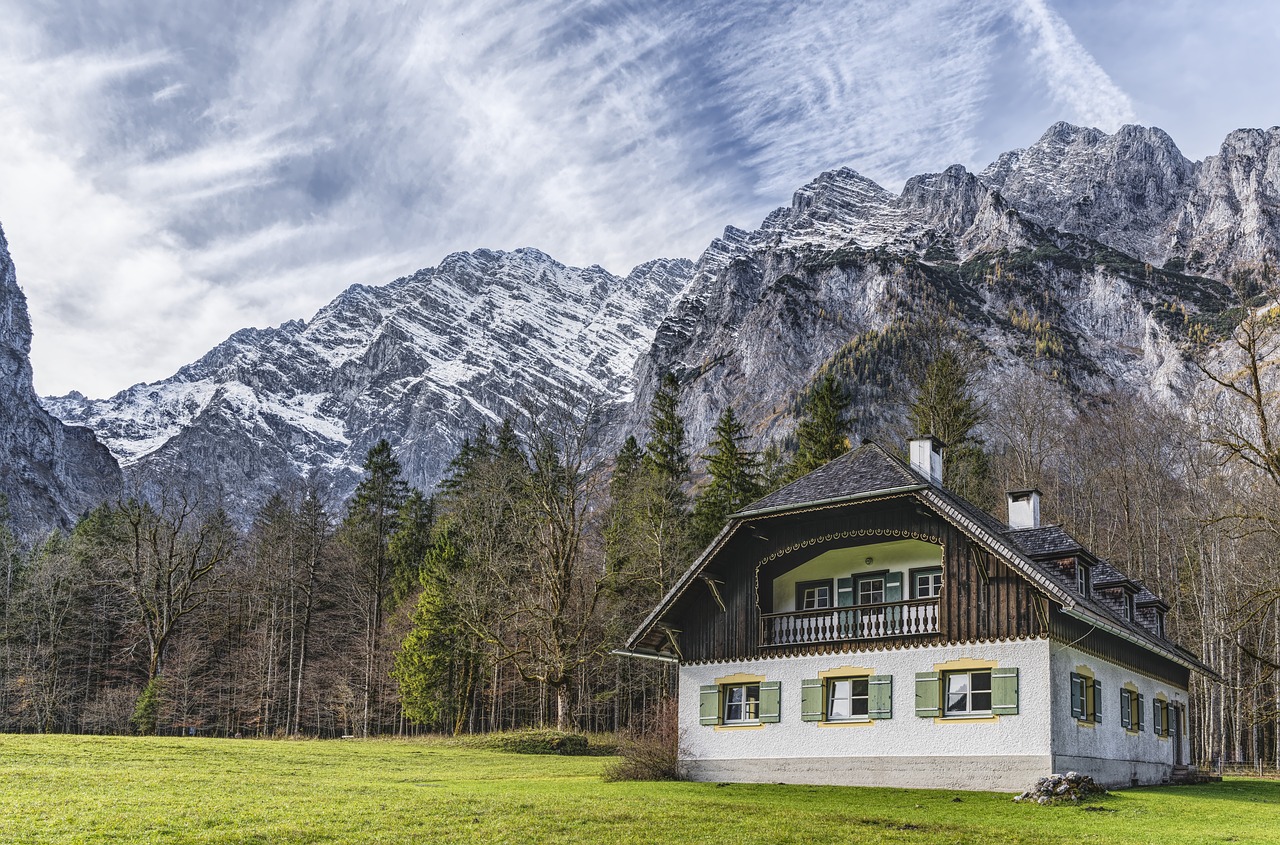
948	711
934	582
749	708
833	686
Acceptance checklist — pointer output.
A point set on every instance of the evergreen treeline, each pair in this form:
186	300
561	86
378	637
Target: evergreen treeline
495	602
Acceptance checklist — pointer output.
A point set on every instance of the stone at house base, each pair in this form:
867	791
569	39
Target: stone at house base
1055	788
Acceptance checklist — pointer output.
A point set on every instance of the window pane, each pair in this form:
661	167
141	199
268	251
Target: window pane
753	701
957	693
981	681
981	702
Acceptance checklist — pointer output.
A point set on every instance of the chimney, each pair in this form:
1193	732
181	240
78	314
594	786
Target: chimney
1024	508
926	457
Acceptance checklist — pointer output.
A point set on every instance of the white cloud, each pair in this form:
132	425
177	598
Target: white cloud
1071	73
163	186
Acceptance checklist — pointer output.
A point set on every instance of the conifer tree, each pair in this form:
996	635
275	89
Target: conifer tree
823	431
946	408
735	478
666	451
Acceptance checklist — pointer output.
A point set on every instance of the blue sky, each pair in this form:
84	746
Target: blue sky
172	172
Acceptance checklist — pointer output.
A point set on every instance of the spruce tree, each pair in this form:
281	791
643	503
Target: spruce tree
946	408
735	478
823	431
666	451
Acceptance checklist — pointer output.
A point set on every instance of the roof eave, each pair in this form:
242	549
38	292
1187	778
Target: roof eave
835	500
1097	621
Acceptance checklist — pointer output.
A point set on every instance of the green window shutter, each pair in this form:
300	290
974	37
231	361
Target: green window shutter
893	586
927	695
1097	701
1126	709
1077	696
1142	712
844	592
1155	717
770	701
1004	691
709	705
811	700
880	698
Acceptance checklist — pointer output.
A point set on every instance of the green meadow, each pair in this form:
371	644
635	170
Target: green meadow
75	789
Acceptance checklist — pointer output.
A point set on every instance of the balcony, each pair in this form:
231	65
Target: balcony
842	624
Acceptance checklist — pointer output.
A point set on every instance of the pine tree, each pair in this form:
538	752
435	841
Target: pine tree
735	478
945	407
373	516
823	431
666	451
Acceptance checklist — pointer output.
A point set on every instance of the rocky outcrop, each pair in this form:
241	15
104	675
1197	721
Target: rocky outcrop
50	472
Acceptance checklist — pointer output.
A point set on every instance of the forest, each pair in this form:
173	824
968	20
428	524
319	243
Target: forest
495	602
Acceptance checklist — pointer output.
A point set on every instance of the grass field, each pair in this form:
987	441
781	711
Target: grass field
101	789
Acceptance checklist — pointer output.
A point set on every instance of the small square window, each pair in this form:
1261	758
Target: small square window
848	699
926	585
968	693
813	595
741	703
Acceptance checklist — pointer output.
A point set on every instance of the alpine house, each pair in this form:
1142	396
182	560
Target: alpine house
866	626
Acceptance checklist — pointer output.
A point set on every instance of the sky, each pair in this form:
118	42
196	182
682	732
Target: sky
172	172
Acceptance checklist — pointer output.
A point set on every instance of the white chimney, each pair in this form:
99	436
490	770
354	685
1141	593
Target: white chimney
926	457
1024	508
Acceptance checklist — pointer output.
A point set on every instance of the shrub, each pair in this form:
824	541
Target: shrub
538	741
653	754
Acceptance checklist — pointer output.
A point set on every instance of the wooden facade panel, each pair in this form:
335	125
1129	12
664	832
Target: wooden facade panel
1091	640
981	599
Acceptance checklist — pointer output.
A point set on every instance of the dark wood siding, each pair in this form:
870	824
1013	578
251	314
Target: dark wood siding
1085	637
982	598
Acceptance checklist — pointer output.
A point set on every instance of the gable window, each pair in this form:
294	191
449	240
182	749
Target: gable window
926	584
740	700
1086	698
1132	710
968	693
813	595
1082	578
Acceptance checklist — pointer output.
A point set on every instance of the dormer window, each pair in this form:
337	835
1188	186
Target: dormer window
1160	623
1129	612
1082	578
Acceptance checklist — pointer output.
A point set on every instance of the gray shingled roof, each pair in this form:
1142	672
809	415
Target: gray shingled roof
867	469
1045	541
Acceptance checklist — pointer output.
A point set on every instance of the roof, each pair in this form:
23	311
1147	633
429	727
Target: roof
871	471
862	470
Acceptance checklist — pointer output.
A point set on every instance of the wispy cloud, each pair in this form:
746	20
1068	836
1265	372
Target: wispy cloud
172	173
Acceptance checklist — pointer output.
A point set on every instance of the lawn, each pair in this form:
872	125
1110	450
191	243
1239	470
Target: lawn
121	790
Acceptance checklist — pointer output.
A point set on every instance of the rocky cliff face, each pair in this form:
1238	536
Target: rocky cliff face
422	361
50	472
1088	258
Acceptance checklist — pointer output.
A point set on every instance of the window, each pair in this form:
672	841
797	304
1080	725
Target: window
848	698
1160	623
1160	717
968	693
1128	606
1131	710
852	698
741	703
813	595
871	591
1086	698
927	584
1082	578
740	700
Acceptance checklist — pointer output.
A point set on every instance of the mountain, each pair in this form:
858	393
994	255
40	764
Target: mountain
1092	259
422	361
50	472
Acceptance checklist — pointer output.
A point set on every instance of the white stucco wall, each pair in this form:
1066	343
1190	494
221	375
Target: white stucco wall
1007	752
1106	750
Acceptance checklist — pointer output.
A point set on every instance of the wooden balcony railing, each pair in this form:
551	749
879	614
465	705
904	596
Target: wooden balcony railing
863	622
